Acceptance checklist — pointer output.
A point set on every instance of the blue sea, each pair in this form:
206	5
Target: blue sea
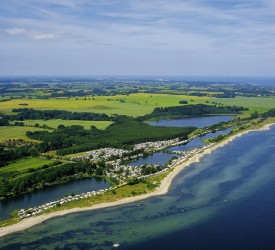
225	201
257	80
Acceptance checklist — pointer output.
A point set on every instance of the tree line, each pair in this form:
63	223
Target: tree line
34	114
193	110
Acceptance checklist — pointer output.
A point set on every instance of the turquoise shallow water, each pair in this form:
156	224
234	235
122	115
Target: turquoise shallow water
224	202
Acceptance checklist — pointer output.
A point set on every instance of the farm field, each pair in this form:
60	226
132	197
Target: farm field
56	122
132	105
16	133
26	163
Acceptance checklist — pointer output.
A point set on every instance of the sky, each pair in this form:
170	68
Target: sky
137	37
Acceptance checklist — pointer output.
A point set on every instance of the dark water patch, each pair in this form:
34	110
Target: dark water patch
246	224
102	223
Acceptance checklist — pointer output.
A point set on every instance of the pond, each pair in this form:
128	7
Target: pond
51	193
199	122
159	158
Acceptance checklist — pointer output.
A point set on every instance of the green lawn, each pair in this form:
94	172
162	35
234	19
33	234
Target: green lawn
23	164
16	133
55	122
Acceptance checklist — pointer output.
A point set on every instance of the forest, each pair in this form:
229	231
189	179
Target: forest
123	134
33	114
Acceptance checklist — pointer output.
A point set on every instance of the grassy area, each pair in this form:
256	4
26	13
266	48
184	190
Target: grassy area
259	104
132	105
16	133
56	122
24	164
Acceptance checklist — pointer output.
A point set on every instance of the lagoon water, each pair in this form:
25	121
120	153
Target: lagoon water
199	122
226	201
161	158
51	193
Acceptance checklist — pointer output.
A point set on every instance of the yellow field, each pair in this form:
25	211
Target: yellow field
134	105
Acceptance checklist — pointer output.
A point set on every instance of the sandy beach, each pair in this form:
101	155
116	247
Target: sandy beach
161	190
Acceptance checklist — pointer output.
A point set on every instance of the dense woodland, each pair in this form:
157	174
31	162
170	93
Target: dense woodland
269	113
193	110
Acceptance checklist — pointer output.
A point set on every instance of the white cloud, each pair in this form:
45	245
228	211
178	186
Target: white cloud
44	36
16	31
35	35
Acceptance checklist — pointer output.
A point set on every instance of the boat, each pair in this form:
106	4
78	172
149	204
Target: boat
115	245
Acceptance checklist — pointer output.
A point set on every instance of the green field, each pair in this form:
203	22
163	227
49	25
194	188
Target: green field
56	122
259	104
26	163
132	105
16	133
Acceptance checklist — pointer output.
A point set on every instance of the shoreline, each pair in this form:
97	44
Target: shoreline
161	190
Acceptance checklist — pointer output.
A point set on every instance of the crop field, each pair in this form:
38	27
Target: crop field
16	133
56	122
132	105
24	164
